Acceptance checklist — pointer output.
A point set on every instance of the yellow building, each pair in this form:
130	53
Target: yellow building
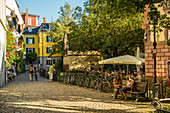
36	40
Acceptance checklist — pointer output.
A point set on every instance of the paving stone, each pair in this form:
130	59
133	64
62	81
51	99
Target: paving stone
24	96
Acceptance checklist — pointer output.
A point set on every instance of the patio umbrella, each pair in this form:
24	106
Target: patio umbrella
126	59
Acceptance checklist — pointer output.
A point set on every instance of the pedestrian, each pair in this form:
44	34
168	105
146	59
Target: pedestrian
51	71
31	70
35	72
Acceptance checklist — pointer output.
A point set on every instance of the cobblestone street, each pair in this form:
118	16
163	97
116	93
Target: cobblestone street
24	96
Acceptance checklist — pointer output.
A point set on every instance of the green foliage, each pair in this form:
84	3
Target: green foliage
112	28
11	46
59	65
30	57
61	26
156	18
168	43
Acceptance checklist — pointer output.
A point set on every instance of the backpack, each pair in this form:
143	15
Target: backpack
31	70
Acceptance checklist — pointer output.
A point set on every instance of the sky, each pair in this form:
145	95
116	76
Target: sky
46	8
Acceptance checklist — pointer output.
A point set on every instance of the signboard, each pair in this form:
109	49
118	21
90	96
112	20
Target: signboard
154	51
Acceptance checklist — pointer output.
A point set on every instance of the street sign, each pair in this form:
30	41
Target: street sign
154	51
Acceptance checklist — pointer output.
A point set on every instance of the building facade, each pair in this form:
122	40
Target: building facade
162	49
9	15
30	19
3	30
36	40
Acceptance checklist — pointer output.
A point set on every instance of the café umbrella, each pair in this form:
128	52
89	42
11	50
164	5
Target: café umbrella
126	59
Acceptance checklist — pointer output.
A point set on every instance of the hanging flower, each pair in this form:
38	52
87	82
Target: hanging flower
10	47
20	42
11	34
19	46
6	59
10	30
8	53
14	47
15	40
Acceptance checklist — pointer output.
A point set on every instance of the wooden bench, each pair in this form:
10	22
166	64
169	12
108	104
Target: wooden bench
139	90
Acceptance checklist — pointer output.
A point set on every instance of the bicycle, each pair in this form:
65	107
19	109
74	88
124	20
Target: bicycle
107	85
158	105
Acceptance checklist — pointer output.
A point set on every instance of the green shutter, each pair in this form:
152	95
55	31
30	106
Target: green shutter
27	40
33	40
26	50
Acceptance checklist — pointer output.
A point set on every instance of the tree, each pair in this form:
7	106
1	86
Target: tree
113	27
61	26
108	27
30	57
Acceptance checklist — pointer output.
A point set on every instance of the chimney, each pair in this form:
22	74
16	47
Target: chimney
26	17
44	20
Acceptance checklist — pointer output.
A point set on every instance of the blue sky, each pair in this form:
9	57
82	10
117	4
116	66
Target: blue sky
46	8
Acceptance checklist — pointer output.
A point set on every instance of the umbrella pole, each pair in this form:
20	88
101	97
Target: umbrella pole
90	66
127	68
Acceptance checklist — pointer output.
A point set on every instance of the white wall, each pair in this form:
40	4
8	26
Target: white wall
13	5
2	40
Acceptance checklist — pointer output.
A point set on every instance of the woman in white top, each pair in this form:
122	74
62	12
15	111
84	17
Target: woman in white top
128	87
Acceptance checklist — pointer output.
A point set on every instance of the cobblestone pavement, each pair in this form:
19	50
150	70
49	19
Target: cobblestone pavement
24	96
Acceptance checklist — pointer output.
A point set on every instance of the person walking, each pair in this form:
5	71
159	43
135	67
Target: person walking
31	70
35	72
51	71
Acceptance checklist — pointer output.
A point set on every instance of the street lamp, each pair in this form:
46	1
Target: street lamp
154	15
154	53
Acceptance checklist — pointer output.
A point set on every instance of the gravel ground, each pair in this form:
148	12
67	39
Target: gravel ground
24	96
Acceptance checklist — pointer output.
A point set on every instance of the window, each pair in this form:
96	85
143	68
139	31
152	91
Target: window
50	62
30	50
169	69
50	26
29	21
167	4
49	39
48	49
30	40
29	30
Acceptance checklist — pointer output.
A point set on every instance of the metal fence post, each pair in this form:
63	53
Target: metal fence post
162	89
